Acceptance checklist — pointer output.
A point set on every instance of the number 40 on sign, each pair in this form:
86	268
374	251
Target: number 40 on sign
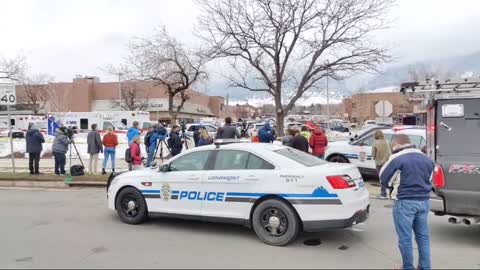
7	94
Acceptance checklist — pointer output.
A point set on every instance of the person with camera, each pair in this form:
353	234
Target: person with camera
60	149
94	146
110	141
175	142
158	135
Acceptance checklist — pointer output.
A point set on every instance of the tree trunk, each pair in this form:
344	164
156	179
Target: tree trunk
280	115
171	110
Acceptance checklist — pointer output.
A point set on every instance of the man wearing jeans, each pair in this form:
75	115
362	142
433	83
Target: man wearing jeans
409	173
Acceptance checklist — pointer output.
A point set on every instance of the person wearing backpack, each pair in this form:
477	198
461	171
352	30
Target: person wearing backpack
110	141
135	154
132	133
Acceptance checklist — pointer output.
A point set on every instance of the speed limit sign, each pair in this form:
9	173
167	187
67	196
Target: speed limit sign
7	94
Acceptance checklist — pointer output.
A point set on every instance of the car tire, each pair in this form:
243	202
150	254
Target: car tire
275	222
131	206
338	159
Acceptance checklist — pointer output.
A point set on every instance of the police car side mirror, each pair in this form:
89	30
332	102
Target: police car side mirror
164	168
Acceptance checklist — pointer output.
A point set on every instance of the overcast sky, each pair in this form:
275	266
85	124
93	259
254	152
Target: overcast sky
65	38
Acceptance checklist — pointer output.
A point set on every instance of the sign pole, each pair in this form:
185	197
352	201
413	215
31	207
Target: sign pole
11	137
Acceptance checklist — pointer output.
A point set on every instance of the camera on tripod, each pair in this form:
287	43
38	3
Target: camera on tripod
70	132
183	124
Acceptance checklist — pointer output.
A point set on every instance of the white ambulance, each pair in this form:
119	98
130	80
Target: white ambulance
119	120
20	124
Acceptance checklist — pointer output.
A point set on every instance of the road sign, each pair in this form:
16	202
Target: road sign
8	95
383	108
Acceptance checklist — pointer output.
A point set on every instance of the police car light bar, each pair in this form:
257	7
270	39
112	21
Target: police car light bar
228	141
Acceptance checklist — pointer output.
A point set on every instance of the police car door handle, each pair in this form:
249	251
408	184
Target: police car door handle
193	177
251	178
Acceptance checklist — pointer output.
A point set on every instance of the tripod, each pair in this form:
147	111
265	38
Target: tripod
185	138
78	155
160	145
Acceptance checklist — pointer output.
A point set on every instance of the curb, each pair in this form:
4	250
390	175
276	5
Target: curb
50	184
33	184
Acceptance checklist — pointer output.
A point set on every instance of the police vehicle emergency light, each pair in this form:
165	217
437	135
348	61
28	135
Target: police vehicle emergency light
276	190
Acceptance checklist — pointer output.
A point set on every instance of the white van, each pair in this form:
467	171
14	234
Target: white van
82	121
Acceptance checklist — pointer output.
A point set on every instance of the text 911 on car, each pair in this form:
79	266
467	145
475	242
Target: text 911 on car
276	190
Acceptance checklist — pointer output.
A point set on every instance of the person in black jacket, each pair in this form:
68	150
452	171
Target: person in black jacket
196	134
175	142
299	142
34	140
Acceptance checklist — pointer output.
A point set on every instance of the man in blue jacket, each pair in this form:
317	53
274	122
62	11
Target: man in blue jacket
408	172
133	132
265	134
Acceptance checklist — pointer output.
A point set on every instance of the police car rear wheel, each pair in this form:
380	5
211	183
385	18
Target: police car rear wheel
275	223
131	206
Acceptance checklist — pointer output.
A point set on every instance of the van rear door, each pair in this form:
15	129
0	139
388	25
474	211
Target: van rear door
458	153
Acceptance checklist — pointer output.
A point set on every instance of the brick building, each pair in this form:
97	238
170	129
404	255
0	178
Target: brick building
86	94
360	107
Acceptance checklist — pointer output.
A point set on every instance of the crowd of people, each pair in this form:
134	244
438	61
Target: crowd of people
303	140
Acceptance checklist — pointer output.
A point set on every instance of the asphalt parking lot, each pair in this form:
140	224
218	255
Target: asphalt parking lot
74	229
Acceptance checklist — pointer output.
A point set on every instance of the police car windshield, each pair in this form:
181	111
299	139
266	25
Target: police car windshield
300	157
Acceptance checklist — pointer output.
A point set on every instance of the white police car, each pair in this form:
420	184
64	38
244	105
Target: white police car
358	150
276	190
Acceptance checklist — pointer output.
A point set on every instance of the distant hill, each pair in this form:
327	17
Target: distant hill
454	67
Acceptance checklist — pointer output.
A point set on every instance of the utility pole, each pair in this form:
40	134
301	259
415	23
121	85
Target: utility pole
328	98
120	89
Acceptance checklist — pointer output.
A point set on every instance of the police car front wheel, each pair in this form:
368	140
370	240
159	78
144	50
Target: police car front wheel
275	222
131	206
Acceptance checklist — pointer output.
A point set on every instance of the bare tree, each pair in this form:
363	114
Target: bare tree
35	92
167	62
58	98
13	68
133	97
286	47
